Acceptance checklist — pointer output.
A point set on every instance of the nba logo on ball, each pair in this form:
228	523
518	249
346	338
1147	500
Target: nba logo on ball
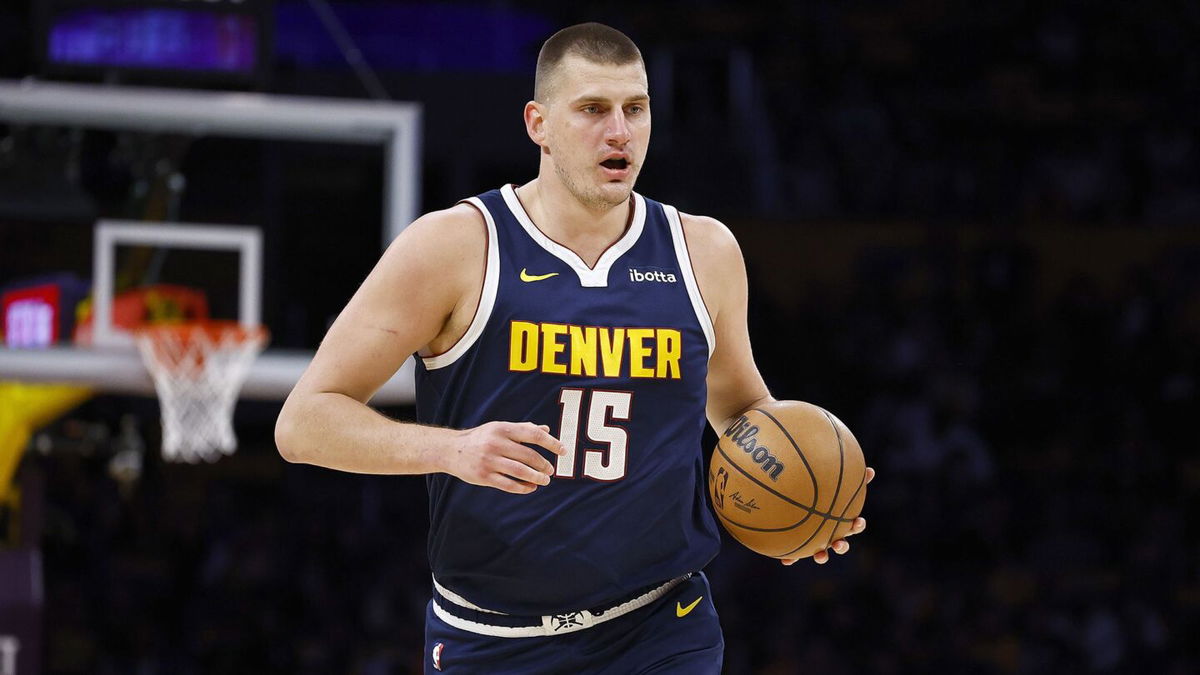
437	655
720	479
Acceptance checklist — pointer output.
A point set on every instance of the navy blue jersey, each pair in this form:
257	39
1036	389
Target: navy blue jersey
613	358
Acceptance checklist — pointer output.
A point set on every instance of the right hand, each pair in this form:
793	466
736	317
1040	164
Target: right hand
492	455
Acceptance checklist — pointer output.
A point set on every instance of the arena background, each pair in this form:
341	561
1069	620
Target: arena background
971	231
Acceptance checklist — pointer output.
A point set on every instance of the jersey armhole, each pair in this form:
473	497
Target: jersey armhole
689	277
487	296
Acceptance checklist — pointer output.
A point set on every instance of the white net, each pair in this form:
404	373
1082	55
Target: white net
198	370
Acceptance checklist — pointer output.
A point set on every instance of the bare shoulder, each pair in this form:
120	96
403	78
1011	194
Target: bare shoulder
716	256
449	232
716	261
706	230
442	254
440	258
415	298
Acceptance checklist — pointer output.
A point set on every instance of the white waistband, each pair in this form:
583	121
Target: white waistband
552	624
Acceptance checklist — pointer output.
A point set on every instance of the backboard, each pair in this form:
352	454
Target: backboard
324	183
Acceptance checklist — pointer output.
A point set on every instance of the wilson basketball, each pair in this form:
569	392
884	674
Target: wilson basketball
787	479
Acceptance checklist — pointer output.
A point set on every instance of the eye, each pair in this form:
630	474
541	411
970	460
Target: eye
636	110
591	109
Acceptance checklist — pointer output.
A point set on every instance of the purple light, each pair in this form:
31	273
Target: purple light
155	38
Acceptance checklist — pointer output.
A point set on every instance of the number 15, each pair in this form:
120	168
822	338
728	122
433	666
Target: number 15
602	465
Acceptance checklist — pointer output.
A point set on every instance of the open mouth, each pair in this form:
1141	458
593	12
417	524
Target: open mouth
615	163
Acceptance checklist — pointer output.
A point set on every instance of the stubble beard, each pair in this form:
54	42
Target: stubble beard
593	198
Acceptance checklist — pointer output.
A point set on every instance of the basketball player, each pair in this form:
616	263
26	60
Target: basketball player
572	336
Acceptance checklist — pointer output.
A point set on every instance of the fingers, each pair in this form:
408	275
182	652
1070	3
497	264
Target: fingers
523	463
496	456
502	482
522	471
529	457
841	546
527	432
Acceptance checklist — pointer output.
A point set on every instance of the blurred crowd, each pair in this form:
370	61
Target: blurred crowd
1001	111
993	112
1036	458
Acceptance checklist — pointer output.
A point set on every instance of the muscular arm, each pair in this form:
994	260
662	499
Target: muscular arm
420	296
734	383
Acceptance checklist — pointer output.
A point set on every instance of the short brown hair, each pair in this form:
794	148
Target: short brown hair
592	41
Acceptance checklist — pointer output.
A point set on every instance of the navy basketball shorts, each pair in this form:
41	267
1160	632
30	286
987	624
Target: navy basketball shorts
677	633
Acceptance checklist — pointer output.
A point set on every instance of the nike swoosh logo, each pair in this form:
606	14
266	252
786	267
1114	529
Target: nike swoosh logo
527	277
681	611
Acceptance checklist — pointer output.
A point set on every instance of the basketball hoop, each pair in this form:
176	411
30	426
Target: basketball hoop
198	369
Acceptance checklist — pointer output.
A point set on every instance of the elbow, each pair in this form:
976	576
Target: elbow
287	436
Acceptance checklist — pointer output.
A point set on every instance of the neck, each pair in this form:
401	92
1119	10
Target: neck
558	213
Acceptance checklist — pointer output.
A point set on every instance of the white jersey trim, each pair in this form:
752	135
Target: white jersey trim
460	600
485	629
589	277
487	299
689	277
552	624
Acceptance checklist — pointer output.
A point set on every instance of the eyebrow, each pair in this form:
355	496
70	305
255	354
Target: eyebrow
637	98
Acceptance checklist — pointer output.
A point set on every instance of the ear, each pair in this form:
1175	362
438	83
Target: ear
535	123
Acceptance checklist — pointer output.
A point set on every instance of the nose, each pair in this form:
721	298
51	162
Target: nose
616	131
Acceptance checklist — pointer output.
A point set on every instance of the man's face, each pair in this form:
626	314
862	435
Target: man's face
597	126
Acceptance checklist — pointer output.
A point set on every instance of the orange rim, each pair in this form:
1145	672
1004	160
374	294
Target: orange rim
182	348
214	330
